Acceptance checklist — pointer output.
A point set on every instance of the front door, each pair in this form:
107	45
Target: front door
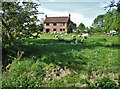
47	30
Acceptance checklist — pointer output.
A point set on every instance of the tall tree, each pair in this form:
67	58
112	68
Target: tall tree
108	21
19	22
111	20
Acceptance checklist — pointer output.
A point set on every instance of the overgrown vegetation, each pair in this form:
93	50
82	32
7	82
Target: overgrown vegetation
48	62
18	23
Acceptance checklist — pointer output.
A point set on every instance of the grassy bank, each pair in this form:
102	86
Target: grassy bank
51	63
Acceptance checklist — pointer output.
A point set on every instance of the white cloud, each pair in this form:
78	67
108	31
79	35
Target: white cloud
103	4
75	16
79	18
83	9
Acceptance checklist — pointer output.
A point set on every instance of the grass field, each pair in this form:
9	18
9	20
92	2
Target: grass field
48	62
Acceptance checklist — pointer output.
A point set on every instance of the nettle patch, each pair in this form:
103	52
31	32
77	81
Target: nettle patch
56	72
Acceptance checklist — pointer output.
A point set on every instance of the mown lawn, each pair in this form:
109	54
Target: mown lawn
48	62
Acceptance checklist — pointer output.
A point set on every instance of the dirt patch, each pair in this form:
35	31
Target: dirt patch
56	72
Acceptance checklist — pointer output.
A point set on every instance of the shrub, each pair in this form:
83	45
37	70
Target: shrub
69	29
106	83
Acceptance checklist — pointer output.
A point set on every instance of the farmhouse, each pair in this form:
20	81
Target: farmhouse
58	24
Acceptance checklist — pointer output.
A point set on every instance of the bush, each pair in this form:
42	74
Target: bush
106	83
69	29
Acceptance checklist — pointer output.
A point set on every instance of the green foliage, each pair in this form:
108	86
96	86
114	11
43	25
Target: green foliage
86	61
111	21
81	26
0	6
41	27
103	23
108	21
106	83
56	83
18	22
69	29
98	21
23	73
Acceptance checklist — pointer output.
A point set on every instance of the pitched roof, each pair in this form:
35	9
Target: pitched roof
56	19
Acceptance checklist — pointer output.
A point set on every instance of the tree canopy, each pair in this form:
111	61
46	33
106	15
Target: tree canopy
81	26
18	22
108	21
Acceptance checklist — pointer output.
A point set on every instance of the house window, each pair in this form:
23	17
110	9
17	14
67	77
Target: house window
47	30
61	24
60	29
54	29
47	24
54	24
63	29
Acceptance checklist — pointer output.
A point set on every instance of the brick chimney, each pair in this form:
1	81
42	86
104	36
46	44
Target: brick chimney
69	15
45	16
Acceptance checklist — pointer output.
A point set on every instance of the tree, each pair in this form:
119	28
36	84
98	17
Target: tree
41	27
113	4
106	22
69	29
118	6
98	23
111	20
115	24
18	22
81	26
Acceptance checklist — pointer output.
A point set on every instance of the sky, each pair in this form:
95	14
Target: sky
82	11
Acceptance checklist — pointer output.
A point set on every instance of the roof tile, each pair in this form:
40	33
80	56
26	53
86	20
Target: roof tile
56	19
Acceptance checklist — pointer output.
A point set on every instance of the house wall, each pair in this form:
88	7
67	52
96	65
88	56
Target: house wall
57	27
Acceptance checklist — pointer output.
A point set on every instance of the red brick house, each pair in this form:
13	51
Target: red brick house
58	24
